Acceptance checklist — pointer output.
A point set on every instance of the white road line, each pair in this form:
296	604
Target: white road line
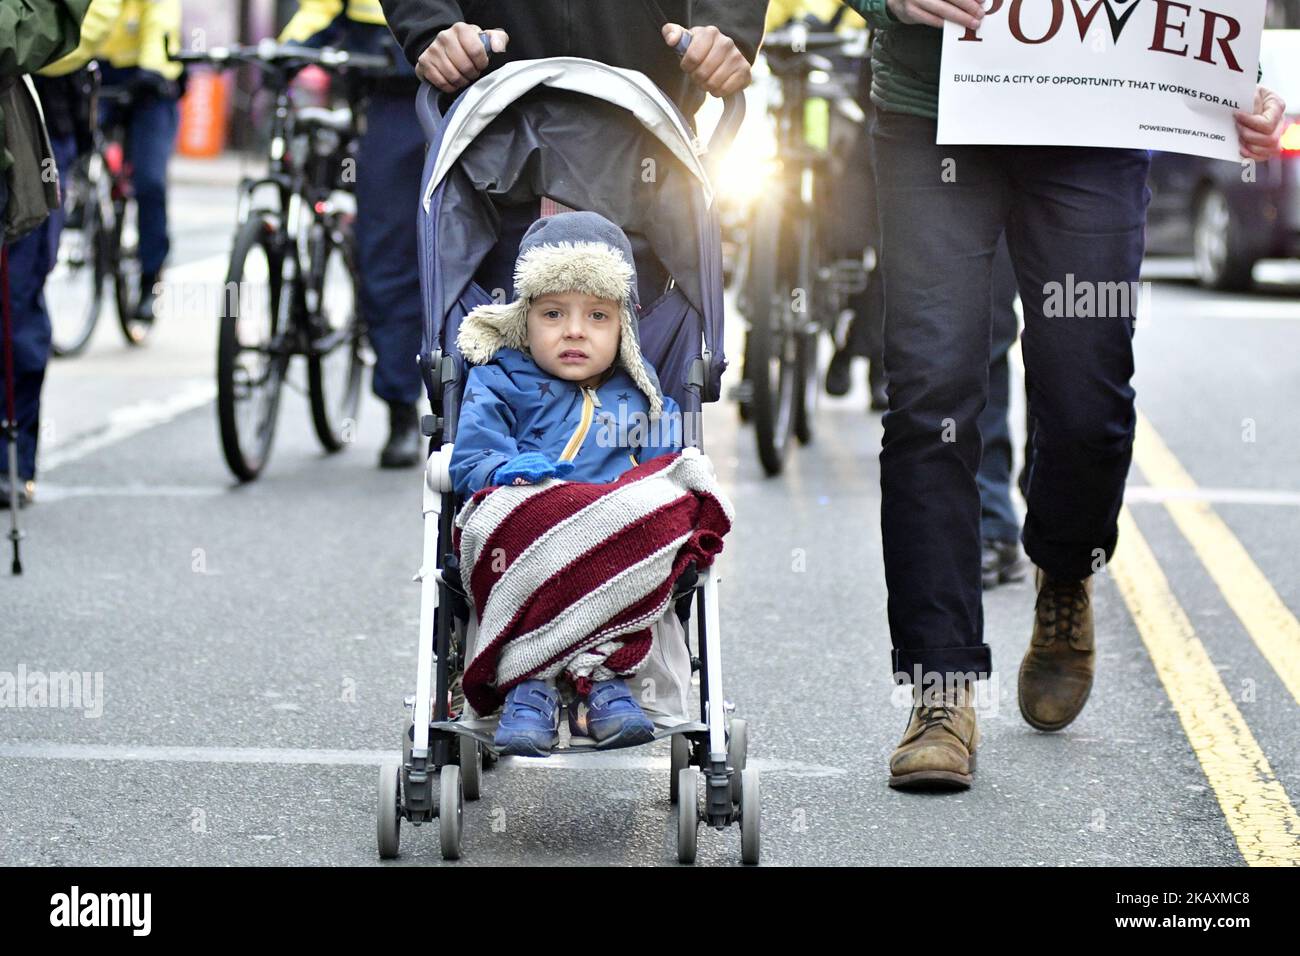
1229	309
130	420
1229	496
344	758
208	267
50	492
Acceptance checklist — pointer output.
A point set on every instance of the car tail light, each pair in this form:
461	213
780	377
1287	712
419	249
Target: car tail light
1291	138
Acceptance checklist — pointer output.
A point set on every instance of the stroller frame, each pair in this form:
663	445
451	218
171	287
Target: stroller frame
443	758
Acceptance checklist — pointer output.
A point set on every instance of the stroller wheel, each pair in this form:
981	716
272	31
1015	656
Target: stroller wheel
389	819
471	767
688	814
751	812
450	811
737	754
681	759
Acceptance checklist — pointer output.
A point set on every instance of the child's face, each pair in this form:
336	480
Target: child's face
573	336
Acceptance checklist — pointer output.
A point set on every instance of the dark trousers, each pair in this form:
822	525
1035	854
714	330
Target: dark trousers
998	521
1066	211
30	260
389	165
151	124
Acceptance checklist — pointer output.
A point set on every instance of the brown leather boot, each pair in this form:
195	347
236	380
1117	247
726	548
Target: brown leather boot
937	751
1056	674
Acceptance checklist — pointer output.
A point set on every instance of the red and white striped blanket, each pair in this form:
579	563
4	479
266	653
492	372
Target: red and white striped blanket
569	576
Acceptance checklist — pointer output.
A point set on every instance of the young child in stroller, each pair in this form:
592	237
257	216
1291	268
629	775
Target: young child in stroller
563	355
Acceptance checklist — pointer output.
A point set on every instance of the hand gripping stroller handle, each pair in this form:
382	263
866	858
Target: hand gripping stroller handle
733	110
426	101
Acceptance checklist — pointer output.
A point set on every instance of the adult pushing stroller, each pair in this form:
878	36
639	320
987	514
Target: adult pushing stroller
533	138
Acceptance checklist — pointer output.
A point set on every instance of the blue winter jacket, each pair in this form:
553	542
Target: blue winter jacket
511	406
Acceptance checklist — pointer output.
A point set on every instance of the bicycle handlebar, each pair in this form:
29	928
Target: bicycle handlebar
799	39
269	54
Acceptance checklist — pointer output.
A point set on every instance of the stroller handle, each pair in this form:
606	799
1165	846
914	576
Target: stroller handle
733	110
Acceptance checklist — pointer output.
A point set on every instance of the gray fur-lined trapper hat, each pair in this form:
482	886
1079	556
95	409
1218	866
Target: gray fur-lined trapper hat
569	252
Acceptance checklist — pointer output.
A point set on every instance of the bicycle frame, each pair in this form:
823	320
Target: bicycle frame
805	166
302	212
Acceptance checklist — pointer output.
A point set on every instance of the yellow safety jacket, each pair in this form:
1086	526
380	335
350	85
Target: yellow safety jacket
313	16
100	17
139	36
781	12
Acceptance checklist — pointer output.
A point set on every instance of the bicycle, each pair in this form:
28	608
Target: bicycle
100	239
792	288
292	286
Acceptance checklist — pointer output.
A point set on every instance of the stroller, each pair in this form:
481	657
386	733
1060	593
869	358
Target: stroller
530	139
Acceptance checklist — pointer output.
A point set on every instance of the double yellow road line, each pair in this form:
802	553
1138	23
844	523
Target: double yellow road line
1255	805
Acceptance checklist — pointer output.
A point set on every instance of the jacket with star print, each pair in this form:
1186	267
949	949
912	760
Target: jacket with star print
511	405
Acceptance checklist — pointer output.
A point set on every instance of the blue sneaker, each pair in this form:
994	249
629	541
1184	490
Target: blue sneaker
614	718
530	720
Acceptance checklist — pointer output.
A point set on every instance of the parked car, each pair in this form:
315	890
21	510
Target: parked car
1210	210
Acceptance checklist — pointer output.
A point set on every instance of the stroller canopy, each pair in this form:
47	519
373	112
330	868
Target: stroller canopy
632	91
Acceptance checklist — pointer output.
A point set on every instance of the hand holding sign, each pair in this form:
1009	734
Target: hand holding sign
933	13
1260	133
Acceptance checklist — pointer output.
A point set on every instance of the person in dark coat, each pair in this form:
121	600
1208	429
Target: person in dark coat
440	39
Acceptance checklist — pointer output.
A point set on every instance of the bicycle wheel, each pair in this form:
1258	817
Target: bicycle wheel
771	362
74	291
808	334
743	405
126	270
251	360
335	365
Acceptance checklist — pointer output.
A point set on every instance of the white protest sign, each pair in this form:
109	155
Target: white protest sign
1148	74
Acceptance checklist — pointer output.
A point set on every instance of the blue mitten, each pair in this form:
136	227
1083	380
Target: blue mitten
532	466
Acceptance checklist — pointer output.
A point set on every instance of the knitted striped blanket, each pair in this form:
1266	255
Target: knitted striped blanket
567	577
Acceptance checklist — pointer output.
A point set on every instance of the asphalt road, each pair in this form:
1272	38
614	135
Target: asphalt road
255	643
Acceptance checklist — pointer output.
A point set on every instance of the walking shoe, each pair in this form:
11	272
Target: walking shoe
1056	673
613	718
839	373
937	751
530	720
1000	563
403	447
148	297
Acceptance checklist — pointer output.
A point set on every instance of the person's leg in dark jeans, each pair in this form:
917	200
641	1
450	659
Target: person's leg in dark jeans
939	238
150	142
1078	220
1000	527
30	260
389	166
